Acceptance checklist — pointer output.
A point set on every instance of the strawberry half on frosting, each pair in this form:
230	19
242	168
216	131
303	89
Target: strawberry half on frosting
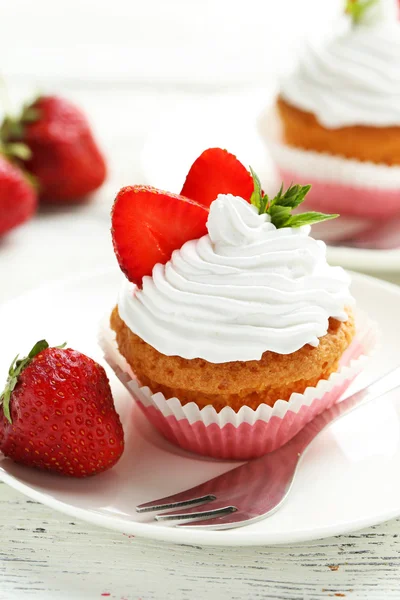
216	171
149	224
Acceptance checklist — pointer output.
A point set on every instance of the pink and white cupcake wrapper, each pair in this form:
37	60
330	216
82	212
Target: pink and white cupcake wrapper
340	185
247	433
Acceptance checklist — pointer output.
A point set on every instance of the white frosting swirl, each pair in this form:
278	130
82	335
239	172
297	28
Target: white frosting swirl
244	288
355	78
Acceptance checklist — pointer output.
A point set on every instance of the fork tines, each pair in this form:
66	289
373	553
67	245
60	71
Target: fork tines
184	510
157	506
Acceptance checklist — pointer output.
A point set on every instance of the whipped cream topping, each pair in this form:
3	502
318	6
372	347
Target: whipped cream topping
244	288
355	78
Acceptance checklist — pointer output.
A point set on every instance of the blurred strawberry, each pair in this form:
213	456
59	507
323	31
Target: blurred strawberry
65	158
18	199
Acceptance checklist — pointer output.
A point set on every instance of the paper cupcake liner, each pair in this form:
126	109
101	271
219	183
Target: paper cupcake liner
340	185
247	433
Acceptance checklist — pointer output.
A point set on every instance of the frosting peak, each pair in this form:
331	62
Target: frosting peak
239	291
354	79
231	222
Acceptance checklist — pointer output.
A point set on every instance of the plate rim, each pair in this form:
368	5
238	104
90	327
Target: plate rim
240	537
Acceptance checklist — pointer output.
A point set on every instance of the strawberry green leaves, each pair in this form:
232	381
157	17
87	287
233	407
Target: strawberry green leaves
280	207
12	147
15	370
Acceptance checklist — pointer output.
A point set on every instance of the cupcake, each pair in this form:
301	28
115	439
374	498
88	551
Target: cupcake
340	115
230	315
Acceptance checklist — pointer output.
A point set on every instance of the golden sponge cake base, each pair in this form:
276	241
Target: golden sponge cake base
239	383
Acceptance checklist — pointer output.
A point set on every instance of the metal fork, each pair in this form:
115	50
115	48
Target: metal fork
258	488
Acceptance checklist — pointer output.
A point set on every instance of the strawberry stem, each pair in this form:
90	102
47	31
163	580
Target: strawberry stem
12	128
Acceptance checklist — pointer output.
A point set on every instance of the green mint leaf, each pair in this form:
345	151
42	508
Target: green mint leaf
309	218
255	198
280	207
264	203
280	215
293	196
279	194
278	197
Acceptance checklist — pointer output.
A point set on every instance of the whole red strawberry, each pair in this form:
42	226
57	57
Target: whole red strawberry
18	199
65	158
58	414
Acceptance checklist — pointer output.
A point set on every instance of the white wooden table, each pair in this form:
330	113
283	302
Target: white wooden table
48	556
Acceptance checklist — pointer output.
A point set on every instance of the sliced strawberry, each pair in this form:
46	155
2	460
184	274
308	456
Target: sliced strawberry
149	224
216	171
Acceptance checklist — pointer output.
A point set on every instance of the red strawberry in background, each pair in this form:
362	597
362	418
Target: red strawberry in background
65	158
149	224
216	171
57	414
18	199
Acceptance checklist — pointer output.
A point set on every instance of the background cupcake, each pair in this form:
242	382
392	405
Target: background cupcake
340	115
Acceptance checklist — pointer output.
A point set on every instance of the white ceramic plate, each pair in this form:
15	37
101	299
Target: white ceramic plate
230	121
348	479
